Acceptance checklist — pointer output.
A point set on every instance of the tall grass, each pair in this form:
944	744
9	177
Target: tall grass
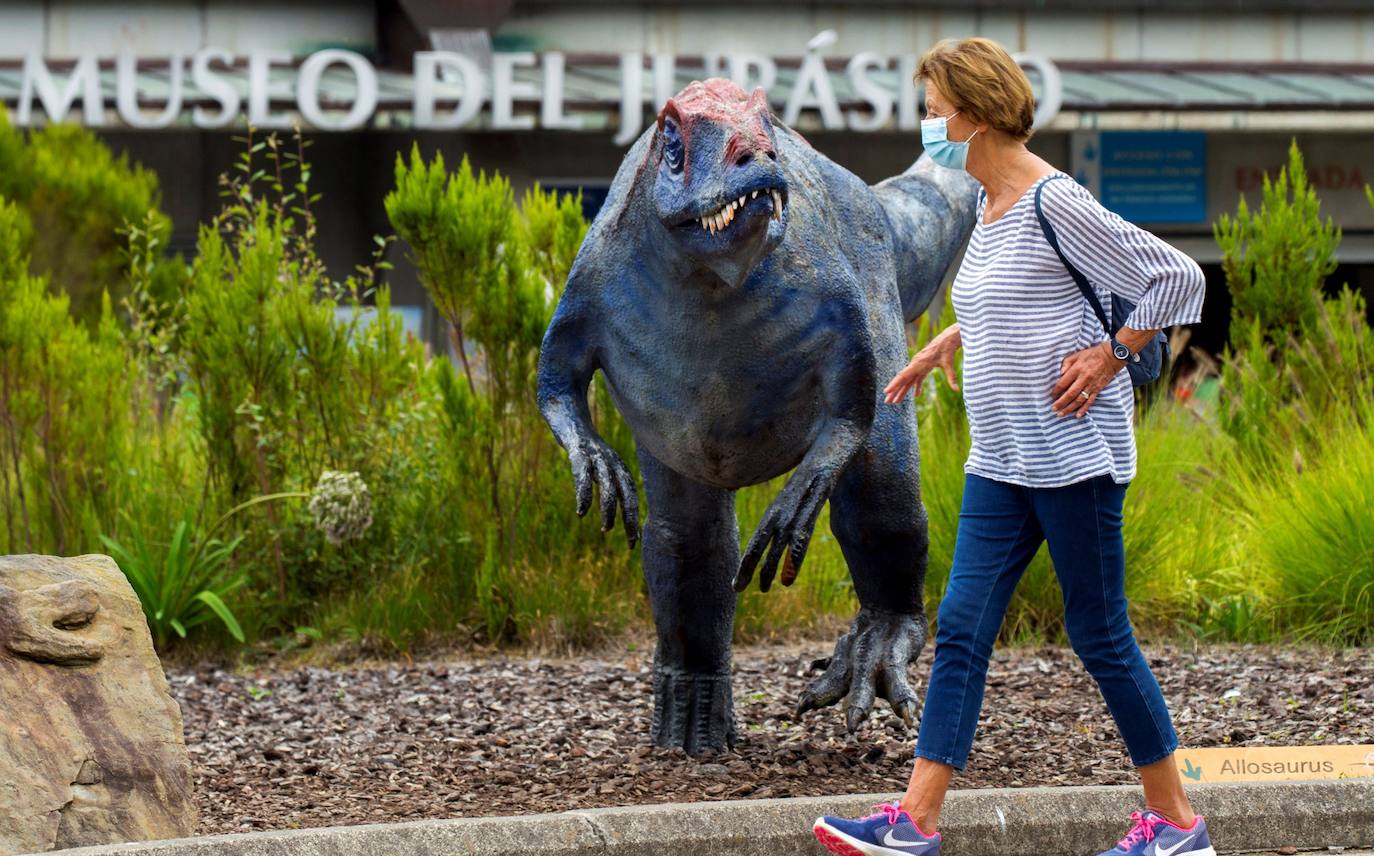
1306	536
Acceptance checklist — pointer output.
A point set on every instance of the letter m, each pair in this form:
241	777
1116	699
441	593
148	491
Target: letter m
83	83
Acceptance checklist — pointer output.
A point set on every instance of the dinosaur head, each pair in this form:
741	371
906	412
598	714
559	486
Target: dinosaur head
719	189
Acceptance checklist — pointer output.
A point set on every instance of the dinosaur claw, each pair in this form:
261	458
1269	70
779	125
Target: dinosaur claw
870	662
789	570
907	711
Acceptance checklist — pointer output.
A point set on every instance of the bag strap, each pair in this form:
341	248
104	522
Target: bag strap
1074	272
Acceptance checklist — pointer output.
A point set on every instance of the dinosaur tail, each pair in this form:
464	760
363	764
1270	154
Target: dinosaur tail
930	212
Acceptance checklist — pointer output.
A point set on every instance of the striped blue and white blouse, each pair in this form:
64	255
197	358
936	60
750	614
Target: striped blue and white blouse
1020	314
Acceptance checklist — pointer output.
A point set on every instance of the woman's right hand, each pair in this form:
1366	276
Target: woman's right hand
939	353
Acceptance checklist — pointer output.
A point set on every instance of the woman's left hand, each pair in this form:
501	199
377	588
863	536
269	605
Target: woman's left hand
1083	375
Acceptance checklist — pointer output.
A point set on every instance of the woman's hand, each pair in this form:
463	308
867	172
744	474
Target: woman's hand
1083	376
938	353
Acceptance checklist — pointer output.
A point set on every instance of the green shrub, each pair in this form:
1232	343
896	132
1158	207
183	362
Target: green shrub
495	271
284	390
1296	359
64	407
1277	259
78	196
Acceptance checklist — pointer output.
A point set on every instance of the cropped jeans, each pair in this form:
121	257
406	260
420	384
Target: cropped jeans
1001	526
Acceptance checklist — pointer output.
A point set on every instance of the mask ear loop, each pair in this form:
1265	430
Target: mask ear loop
951	116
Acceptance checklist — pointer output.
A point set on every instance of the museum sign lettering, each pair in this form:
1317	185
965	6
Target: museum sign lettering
209	76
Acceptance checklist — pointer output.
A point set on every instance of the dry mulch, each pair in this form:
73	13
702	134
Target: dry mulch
310	746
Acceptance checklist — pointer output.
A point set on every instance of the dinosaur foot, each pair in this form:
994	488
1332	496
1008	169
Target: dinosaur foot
870	661
694	712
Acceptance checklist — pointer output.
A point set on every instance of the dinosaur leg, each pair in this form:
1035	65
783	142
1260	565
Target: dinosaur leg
691	551
877	516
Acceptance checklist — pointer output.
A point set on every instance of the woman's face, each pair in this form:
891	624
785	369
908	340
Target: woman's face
957	129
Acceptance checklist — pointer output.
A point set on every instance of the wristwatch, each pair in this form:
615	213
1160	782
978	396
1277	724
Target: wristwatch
1123	353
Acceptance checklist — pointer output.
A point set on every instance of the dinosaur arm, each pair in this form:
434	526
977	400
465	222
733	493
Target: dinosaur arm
848	386
566	364
567	361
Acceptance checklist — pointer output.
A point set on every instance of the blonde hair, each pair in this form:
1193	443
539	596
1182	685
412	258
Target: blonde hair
980	78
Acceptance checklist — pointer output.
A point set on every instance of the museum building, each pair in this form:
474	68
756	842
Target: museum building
1167	109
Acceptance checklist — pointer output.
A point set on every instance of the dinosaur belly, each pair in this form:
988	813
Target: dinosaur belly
721	428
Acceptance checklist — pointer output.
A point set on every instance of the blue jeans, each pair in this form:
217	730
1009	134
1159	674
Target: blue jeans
1001	526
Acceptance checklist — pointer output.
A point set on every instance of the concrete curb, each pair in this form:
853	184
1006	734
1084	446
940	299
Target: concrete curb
991	822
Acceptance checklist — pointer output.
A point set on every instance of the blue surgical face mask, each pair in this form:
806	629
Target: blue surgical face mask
942	150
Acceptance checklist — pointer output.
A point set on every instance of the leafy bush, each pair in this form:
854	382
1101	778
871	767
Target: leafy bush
284	390
78	196
63	406
1296	359
1277	259
495	271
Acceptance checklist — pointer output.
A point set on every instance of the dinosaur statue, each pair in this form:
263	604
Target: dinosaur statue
744	297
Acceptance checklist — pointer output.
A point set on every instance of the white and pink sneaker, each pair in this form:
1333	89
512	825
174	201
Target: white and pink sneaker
1152	835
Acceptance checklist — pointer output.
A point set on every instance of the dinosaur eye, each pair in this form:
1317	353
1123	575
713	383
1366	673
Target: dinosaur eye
672	146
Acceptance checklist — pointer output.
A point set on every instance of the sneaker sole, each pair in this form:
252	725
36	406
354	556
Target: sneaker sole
843	845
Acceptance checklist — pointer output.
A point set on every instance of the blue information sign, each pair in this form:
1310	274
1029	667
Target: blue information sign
1154	176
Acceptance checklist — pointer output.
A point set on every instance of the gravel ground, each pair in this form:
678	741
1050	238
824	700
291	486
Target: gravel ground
310	746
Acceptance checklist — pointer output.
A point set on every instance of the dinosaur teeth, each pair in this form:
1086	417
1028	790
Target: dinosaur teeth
723	216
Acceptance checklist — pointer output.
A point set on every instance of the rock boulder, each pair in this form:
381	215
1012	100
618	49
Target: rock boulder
91	746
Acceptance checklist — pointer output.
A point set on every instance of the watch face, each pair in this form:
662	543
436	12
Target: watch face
1122	352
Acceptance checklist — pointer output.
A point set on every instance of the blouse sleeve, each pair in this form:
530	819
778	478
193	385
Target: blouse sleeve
1164	283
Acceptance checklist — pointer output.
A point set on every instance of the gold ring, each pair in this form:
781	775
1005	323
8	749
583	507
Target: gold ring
1084	393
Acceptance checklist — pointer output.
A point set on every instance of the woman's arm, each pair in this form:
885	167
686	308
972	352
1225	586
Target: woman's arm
1121	258
938	353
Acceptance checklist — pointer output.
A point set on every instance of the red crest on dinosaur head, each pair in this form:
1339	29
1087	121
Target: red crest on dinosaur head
722	102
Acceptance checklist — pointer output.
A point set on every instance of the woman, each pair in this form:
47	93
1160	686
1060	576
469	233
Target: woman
1050	411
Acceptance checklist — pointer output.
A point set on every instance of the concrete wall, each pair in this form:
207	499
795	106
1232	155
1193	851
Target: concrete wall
1109	35
157	28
